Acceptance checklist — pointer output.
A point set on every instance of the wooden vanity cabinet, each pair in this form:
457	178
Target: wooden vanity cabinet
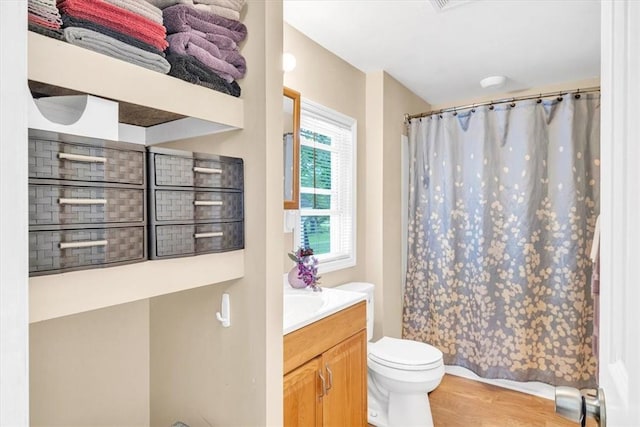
325	365
302	395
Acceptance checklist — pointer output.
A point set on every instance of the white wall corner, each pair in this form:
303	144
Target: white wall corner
14	262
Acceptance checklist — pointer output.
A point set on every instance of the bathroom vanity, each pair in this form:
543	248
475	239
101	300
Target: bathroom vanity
325	365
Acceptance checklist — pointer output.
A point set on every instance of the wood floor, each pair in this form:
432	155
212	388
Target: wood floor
459	402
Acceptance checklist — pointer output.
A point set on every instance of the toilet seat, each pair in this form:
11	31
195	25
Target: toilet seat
405	355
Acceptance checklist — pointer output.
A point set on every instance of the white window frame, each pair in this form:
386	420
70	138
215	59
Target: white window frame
329	262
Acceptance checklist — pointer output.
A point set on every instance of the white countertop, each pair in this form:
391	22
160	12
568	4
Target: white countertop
304	306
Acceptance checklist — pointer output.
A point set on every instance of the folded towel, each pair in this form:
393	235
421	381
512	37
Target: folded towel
70	21
223	42
236	5
45	3
229	65
46	12
181	18
189	69
49	32
115	48
34	19
163	4
219	10
140	7
49	16
117	19
226	8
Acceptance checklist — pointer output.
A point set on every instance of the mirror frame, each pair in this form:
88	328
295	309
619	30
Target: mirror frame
294	203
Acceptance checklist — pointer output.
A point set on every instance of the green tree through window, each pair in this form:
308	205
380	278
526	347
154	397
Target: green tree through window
327	185
315	174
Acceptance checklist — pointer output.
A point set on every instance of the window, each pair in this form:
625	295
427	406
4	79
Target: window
327	186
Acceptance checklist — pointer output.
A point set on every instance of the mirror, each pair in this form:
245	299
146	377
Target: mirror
291	147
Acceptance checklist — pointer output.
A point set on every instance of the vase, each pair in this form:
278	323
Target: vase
294	280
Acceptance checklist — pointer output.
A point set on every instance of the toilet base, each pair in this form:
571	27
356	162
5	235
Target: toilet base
400	410
409	410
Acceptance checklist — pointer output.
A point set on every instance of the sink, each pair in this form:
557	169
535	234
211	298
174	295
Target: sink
298	307
303	306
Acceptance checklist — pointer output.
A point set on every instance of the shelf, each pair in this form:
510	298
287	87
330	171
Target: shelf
63	294
146	97
159	107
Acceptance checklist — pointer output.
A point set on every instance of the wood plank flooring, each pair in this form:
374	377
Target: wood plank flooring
460	402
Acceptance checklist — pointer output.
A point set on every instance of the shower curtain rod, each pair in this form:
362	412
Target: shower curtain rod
409	117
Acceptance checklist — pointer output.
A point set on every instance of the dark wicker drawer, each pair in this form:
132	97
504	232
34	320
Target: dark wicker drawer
62	205
177	205
105	246
194	239
214	172
75	162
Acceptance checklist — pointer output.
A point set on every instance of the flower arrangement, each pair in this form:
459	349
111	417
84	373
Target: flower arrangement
305	271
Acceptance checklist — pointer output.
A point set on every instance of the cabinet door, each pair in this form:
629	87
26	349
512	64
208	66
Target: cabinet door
345	366
303	395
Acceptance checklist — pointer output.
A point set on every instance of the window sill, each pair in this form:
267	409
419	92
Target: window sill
335	264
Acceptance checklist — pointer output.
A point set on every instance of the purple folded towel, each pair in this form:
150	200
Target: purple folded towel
229	65
223	42
182	18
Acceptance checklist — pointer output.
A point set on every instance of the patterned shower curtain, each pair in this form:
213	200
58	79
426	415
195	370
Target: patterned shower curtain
502	209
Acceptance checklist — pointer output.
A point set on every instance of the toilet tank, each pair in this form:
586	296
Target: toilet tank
368	289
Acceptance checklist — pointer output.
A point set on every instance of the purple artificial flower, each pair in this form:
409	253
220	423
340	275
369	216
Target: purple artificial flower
307	266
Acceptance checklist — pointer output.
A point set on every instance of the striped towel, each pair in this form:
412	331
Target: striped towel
70	21
118	19
44	13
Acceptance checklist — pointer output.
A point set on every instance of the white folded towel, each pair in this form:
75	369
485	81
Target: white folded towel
236	5
140	7
104	44
219	10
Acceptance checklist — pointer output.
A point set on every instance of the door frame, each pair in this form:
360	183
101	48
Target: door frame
620	209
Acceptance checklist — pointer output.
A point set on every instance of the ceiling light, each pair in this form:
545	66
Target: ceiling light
493	82
288	62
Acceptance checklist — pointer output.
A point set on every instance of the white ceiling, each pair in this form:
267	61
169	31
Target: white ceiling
442	56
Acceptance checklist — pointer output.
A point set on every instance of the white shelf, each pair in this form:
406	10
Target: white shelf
64	65
57	65
63	294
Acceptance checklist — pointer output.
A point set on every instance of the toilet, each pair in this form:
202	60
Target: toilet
400	374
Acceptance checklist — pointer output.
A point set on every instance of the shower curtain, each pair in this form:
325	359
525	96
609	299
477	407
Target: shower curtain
502	208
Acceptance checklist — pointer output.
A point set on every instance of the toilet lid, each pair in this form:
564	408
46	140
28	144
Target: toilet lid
405	354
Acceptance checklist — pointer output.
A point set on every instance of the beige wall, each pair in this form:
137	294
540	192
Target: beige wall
203	373
91	369
387	102
322	77
378	102
165	359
